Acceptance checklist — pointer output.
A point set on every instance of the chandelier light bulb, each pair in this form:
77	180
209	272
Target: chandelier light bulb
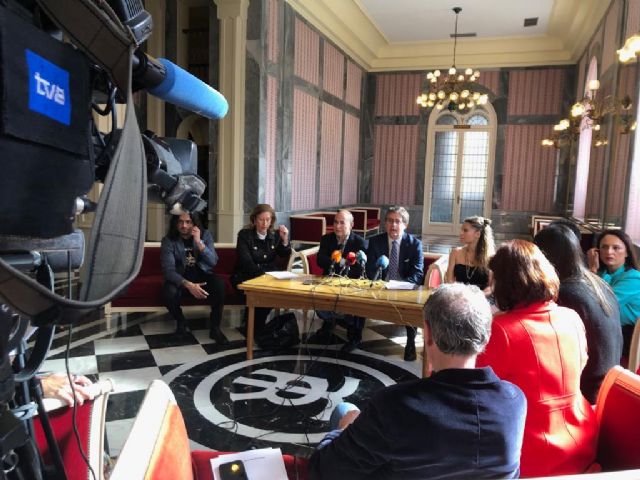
594	85
472	78
468	72
564	123
461	78
577	110
484	98
441	94
429	76
461	106
430	103
452	71
432	96
436	73
470	104
453	96
434	79
475	95
476	73
596	127
464	93
440	106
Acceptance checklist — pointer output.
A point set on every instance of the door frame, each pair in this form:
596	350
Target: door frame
438	228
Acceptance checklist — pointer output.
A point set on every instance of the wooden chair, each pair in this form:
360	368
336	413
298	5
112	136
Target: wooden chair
157	447
618	412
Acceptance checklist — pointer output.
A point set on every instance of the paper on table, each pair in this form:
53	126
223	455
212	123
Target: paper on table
399	285
283	275
262	464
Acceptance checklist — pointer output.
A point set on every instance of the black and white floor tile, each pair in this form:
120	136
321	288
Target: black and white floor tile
278	399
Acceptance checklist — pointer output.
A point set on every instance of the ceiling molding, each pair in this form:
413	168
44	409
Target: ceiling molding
346	23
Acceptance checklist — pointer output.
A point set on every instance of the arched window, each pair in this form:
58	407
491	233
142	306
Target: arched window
459	168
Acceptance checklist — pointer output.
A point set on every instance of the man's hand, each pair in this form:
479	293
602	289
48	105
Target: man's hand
195	233
196	289
57	386
348	419
593	258
284	234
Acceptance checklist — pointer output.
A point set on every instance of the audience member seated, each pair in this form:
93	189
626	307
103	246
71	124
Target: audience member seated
188	256
470	263
541	348
258	245
591	298
614	260
344	240
462	422
406	261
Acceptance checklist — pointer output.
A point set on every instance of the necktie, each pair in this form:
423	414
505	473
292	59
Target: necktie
392	273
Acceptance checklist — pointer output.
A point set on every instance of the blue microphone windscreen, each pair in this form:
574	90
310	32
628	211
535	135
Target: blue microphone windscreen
383	261
361	256
186	91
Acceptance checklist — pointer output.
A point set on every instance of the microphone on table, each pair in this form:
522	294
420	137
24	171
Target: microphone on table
361	257
350	261
336	257
381	263
167	81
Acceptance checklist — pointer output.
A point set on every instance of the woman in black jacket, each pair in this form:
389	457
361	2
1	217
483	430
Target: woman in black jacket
257	248
591	298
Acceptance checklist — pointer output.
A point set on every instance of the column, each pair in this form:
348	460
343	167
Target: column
233	24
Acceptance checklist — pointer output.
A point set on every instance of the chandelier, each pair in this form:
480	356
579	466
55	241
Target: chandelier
590	112
455	89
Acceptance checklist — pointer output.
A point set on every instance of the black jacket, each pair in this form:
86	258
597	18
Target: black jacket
329	244
255	257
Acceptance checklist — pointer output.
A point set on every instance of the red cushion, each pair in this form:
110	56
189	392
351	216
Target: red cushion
151	261
226	261
314	268
297	468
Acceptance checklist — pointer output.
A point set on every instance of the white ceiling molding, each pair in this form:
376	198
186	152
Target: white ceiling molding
347	23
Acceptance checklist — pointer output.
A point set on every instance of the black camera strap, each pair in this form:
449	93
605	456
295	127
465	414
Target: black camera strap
116	241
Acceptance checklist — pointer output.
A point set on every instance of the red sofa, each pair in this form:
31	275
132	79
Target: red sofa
145	292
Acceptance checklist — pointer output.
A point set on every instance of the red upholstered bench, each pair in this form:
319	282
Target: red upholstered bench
310	227
366	220
145	292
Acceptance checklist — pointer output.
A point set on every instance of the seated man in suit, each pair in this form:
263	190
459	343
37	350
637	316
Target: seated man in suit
406	261
462	422
187	256
344	240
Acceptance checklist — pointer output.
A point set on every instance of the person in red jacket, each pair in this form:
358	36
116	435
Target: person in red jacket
541	348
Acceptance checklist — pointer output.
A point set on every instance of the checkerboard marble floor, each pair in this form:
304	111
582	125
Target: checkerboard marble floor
136	348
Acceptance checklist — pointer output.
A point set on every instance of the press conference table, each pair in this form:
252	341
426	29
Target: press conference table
308	292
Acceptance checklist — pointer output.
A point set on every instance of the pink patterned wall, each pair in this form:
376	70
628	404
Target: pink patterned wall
333	71
535	92
273	47
396	94
271	140
582	72
330	151
491	80
529	169
394	164
351	149
618	177
354	85
304	150
633	18
594	185
610	37
307	53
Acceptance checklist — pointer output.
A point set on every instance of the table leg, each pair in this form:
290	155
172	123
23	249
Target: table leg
250	325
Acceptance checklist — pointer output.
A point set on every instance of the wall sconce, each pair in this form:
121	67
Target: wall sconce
630	49
568	130
594	108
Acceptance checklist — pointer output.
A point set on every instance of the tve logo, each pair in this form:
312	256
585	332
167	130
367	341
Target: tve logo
48	88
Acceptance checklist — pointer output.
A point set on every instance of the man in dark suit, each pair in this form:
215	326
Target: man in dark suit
344	240
461	422
187	256
406	261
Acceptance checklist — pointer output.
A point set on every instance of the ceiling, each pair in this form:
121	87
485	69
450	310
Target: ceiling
416	34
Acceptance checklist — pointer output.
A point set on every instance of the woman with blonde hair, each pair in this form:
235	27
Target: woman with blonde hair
470	263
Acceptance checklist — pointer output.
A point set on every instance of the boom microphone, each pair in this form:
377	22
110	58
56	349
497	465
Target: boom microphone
169	82
382	263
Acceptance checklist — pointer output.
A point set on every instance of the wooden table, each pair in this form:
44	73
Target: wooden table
404	307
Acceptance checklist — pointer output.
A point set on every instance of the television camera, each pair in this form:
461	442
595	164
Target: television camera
63	62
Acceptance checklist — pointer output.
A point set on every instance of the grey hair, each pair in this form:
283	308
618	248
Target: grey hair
347	215
400	211
459	317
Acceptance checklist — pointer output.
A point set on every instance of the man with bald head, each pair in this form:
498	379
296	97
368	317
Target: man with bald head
344	240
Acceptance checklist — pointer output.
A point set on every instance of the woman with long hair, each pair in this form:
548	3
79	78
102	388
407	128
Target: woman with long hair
470	263
258	246
541	348
587	294
614	260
